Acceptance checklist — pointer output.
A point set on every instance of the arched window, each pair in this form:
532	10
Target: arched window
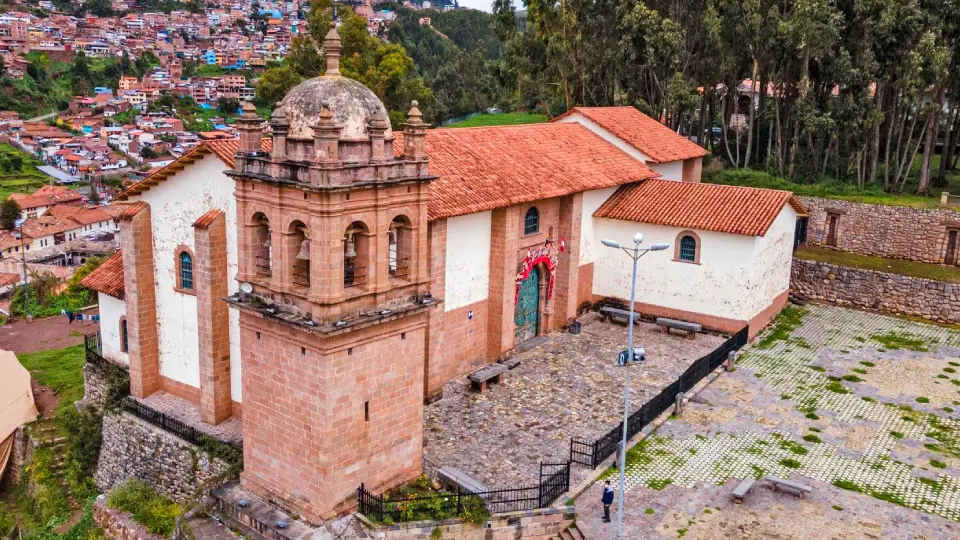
300	253
185	271
355	255
401	247
687	247
531	222
124	337
261	244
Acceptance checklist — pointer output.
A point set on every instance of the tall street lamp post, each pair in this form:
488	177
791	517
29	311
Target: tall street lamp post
630	357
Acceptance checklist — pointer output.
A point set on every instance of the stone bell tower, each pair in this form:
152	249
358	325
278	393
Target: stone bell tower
334	295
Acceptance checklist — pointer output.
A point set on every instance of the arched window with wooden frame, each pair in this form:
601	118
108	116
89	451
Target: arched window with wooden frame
531	221
401	247
124	336
687	247
183	269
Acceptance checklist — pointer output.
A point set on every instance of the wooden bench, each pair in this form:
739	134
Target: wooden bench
611	313
451	479
690	328
743	490
487	374
511	363
779	483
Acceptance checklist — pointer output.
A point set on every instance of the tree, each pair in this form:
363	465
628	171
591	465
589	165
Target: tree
228	105
148	153
275	83
9	214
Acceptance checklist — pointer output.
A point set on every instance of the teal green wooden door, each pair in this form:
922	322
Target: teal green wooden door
527	313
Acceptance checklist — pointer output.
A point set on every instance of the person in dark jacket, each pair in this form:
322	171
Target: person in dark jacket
607	500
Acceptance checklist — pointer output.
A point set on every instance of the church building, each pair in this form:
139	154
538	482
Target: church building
321	285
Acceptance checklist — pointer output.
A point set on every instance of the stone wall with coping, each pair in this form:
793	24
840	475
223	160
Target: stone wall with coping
98	378
903	295
119	525
540	524
897	232
133	448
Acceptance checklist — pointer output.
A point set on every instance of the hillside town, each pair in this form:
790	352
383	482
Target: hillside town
324	318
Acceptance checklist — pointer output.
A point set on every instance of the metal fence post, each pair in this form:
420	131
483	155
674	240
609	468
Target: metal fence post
678	405
731	359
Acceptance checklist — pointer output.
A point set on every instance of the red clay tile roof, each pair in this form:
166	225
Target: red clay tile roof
485	168
46	196
207	219
130	210
708	207
224	150
108	277
642	132
8	278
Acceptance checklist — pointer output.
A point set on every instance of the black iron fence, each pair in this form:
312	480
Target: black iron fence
593	453
174	426
554	482
93	347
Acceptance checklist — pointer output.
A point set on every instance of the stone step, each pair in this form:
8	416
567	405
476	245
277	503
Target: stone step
575	533
209	528
565	535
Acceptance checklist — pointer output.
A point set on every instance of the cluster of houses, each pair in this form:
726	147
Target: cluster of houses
56	221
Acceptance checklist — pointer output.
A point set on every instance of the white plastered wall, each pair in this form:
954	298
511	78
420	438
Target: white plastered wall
175	205
111	310
589	242
468	260
669	170
737	276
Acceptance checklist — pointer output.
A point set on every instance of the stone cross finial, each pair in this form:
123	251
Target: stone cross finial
331	49
326	137
251	129
377	128
280	127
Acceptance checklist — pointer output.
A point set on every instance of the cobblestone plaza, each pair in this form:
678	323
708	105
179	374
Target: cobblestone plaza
859	406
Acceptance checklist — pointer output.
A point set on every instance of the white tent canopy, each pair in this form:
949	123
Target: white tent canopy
16	402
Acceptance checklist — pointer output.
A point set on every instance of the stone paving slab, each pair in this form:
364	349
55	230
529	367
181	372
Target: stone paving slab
230	430
565	386
857	404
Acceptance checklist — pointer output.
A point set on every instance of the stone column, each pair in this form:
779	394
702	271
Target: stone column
567	280
504	237
210	277
140	299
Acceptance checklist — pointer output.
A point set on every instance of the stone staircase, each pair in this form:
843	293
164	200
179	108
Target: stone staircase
209	528
571	533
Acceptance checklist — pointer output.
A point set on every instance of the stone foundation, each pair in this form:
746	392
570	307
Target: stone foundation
891	293
897	232
133	448
99	378
540	524
20	456
119	525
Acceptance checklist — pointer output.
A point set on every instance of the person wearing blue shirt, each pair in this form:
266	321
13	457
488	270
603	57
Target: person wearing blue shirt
607	500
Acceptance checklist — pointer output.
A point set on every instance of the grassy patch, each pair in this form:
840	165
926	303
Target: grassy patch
812	416
868	399
817	369
868	364
791	463
61	370
852	378
812	438
847	485
648	511
836	387
789	319
838	508
148	508
896	434
659	484
922	399
937	464
815	430
502	119
894	340
860	371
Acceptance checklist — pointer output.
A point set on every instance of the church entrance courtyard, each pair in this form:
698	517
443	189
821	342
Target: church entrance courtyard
861	407
565	386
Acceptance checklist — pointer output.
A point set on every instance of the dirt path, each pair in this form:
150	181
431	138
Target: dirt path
44	334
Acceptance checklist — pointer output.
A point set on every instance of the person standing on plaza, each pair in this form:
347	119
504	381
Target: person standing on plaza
607	500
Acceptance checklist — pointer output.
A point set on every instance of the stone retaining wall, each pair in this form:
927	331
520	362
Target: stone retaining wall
892	293
133	448
897	232
98	379
540	524
20	456
119	525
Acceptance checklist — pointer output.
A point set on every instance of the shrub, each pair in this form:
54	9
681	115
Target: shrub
148	508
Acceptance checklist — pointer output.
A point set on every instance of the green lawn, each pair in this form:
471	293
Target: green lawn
18	172
937	272
502	119
61	370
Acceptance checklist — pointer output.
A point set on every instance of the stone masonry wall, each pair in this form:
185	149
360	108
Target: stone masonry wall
98	378
892	293
133	448
119	525
540	524
886	231
20	456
